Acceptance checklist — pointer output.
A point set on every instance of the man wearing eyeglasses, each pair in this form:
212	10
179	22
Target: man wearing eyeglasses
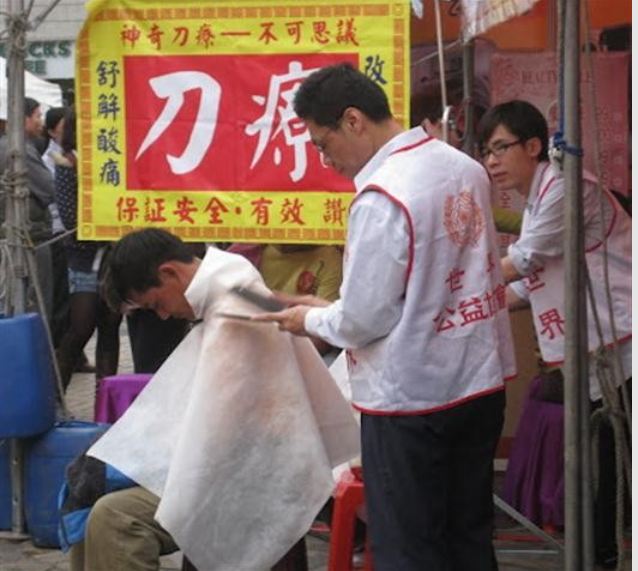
513	143
423	320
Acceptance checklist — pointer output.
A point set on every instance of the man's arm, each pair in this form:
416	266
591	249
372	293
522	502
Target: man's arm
513	297
542	237
374	282
510	273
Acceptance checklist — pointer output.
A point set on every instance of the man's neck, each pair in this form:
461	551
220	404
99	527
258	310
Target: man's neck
527	181
384	132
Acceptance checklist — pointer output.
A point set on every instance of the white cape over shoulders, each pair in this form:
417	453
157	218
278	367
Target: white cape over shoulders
237	432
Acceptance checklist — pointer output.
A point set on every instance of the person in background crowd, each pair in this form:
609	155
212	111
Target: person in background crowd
41	195
53	124
513	142
420	283
87	308
426	111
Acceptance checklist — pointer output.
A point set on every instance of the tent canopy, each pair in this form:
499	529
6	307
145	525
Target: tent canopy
47	93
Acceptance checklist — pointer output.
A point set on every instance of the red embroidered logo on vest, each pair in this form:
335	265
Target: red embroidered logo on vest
463	219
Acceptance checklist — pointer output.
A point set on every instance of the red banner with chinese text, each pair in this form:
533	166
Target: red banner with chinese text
186	121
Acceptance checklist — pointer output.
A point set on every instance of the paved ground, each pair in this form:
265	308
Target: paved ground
23	556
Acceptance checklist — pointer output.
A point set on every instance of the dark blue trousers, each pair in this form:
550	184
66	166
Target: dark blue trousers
428	487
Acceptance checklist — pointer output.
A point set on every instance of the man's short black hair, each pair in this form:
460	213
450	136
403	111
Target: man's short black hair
328	92
519	117
133	262
30	105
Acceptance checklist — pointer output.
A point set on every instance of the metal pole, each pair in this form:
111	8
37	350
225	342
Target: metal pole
468	99
16	216
445	112
577	542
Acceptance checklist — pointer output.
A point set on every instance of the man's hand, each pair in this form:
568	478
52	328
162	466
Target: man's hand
291	319
510	273
514	303
291	300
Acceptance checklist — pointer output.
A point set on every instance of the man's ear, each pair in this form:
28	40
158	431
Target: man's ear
168	270
533	147
434	129
352	119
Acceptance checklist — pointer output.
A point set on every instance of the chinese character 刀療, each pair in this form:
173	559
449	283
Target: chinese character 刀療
181	35
172	87
205	36
279	117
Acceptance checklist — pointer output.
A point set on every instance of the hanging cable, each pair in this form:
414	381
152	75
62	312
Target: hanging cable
616	411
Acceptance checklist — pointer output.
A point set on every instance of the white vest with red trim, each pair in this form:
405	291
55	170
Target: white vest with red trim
453	341
546	286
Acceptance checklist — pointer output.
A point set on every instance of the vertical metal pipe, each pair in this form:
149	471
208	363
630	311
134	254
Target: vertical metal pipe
468	99
576	373
439	45
16	216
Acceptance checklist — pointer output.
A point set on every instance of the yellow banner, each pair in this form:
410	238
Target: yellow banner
186	121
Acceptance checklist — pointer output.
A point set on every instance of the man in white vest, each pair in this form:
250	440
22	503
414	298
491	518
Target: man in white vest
423	318
513	142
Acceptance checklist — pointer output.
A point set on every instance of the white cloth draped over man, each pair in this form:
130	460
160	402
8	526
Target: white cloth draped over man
237	432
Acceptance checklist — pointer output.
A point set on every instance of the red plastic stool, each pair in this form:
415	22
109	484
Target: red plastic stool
347	498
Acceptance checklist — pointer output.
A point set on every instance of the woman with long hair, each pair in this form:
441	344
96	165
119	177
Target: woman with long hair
88	310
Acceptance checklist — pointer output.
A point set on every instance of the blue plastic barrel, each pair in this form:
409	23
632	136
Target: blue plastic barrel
46	459
27	381
5	486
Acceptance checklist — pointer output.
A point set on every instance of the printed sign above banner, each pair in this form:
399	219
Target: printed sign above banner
186	119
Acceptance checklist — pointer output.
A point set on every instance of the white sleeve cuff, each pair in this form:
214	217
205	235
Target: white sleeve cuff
521	264
312	321
520	289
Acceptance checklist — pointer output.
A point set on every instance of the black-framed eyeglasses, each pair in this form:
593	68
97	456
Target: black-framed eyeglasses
322	143
498	149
